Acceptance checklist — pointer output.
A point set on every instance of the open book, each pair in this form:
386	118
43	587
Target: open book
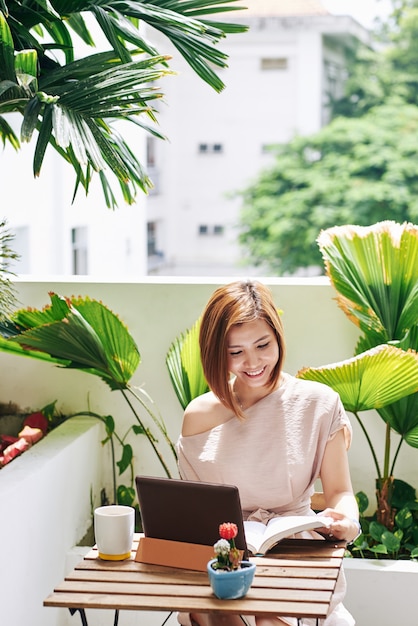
261	537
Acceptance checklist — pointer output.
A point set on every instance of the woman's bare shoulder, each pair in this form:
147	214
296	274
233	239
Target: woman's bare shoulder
204	413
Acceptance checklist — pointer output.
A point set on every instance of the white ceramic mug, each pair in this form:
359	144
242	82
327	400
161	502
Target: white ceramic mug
114	531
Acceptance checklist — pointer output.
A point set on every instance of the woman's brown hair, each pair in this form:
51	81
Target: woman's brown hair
235	303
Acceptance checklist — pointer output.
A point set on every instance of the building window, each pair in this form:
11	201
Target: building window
211	231
79	250
151	238
151	152
210	148
274	63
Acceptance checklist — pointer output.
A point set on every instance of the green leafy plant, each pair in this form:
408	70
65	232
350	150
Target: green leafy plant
71	102
7	256
375	272
81	333
185	367
377	540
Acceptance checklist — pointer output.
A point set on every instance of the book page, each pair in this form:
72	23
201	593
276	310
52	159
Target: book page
261	538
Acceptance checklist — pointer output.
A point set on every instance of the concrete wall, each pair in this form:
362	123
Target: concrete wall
45	510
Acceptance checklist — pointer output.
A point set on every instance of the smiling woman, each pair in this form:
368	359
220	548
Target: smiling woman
263	430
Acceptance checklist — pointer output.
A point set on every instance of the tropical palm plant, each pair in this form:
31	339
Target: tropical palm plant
81	333
375	273
185	366
73	103
7	256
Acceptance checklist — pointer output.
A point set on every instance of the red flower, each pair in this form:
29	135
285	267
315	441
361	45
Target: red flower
228	530
37	420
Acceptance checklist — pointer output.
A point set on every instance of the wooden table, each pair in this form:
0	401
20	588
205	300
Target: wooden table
297	580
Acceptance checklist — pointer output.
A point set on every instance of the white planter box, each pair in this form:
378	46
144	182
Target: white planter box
45	510
381	592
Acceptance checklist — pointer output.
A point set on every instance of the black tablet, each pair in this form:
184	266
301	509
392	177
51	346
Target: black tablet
189	511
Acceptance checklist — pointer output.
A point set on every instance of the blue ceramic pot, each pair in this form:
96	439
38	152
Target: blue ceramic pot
231	585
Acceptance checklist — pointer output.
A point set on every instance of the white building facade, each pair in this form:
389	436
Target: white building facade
277	84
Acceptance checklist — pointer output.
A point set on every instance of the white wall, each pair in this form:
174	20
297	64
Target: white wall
45	510
117	242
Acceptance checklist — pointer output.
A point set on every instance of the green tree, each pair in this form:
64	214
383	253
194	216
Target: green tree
386	69
72	103
354	171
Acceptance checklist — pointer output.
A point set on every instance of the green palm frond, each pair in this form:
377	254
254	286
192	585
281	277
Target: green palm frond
370	380
7	133
98	89
77	128
375	272
7	64
185	367
78	333
81	333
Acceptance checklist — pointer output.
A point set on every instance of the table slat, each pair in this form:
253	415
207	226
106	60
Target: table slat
263	579
212	605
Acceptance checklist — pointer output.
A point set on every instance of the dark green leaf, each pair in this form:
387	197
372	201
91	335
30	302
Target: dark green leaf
377	530
110	425
379	549
362	501
43	138
126	459
404	519
125	495
390	541
30	118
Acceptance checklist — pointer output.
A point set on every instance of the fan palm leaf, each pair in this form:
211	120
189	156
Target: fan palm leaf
185	367
370	380
375	272
376	379
79	333
83	334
